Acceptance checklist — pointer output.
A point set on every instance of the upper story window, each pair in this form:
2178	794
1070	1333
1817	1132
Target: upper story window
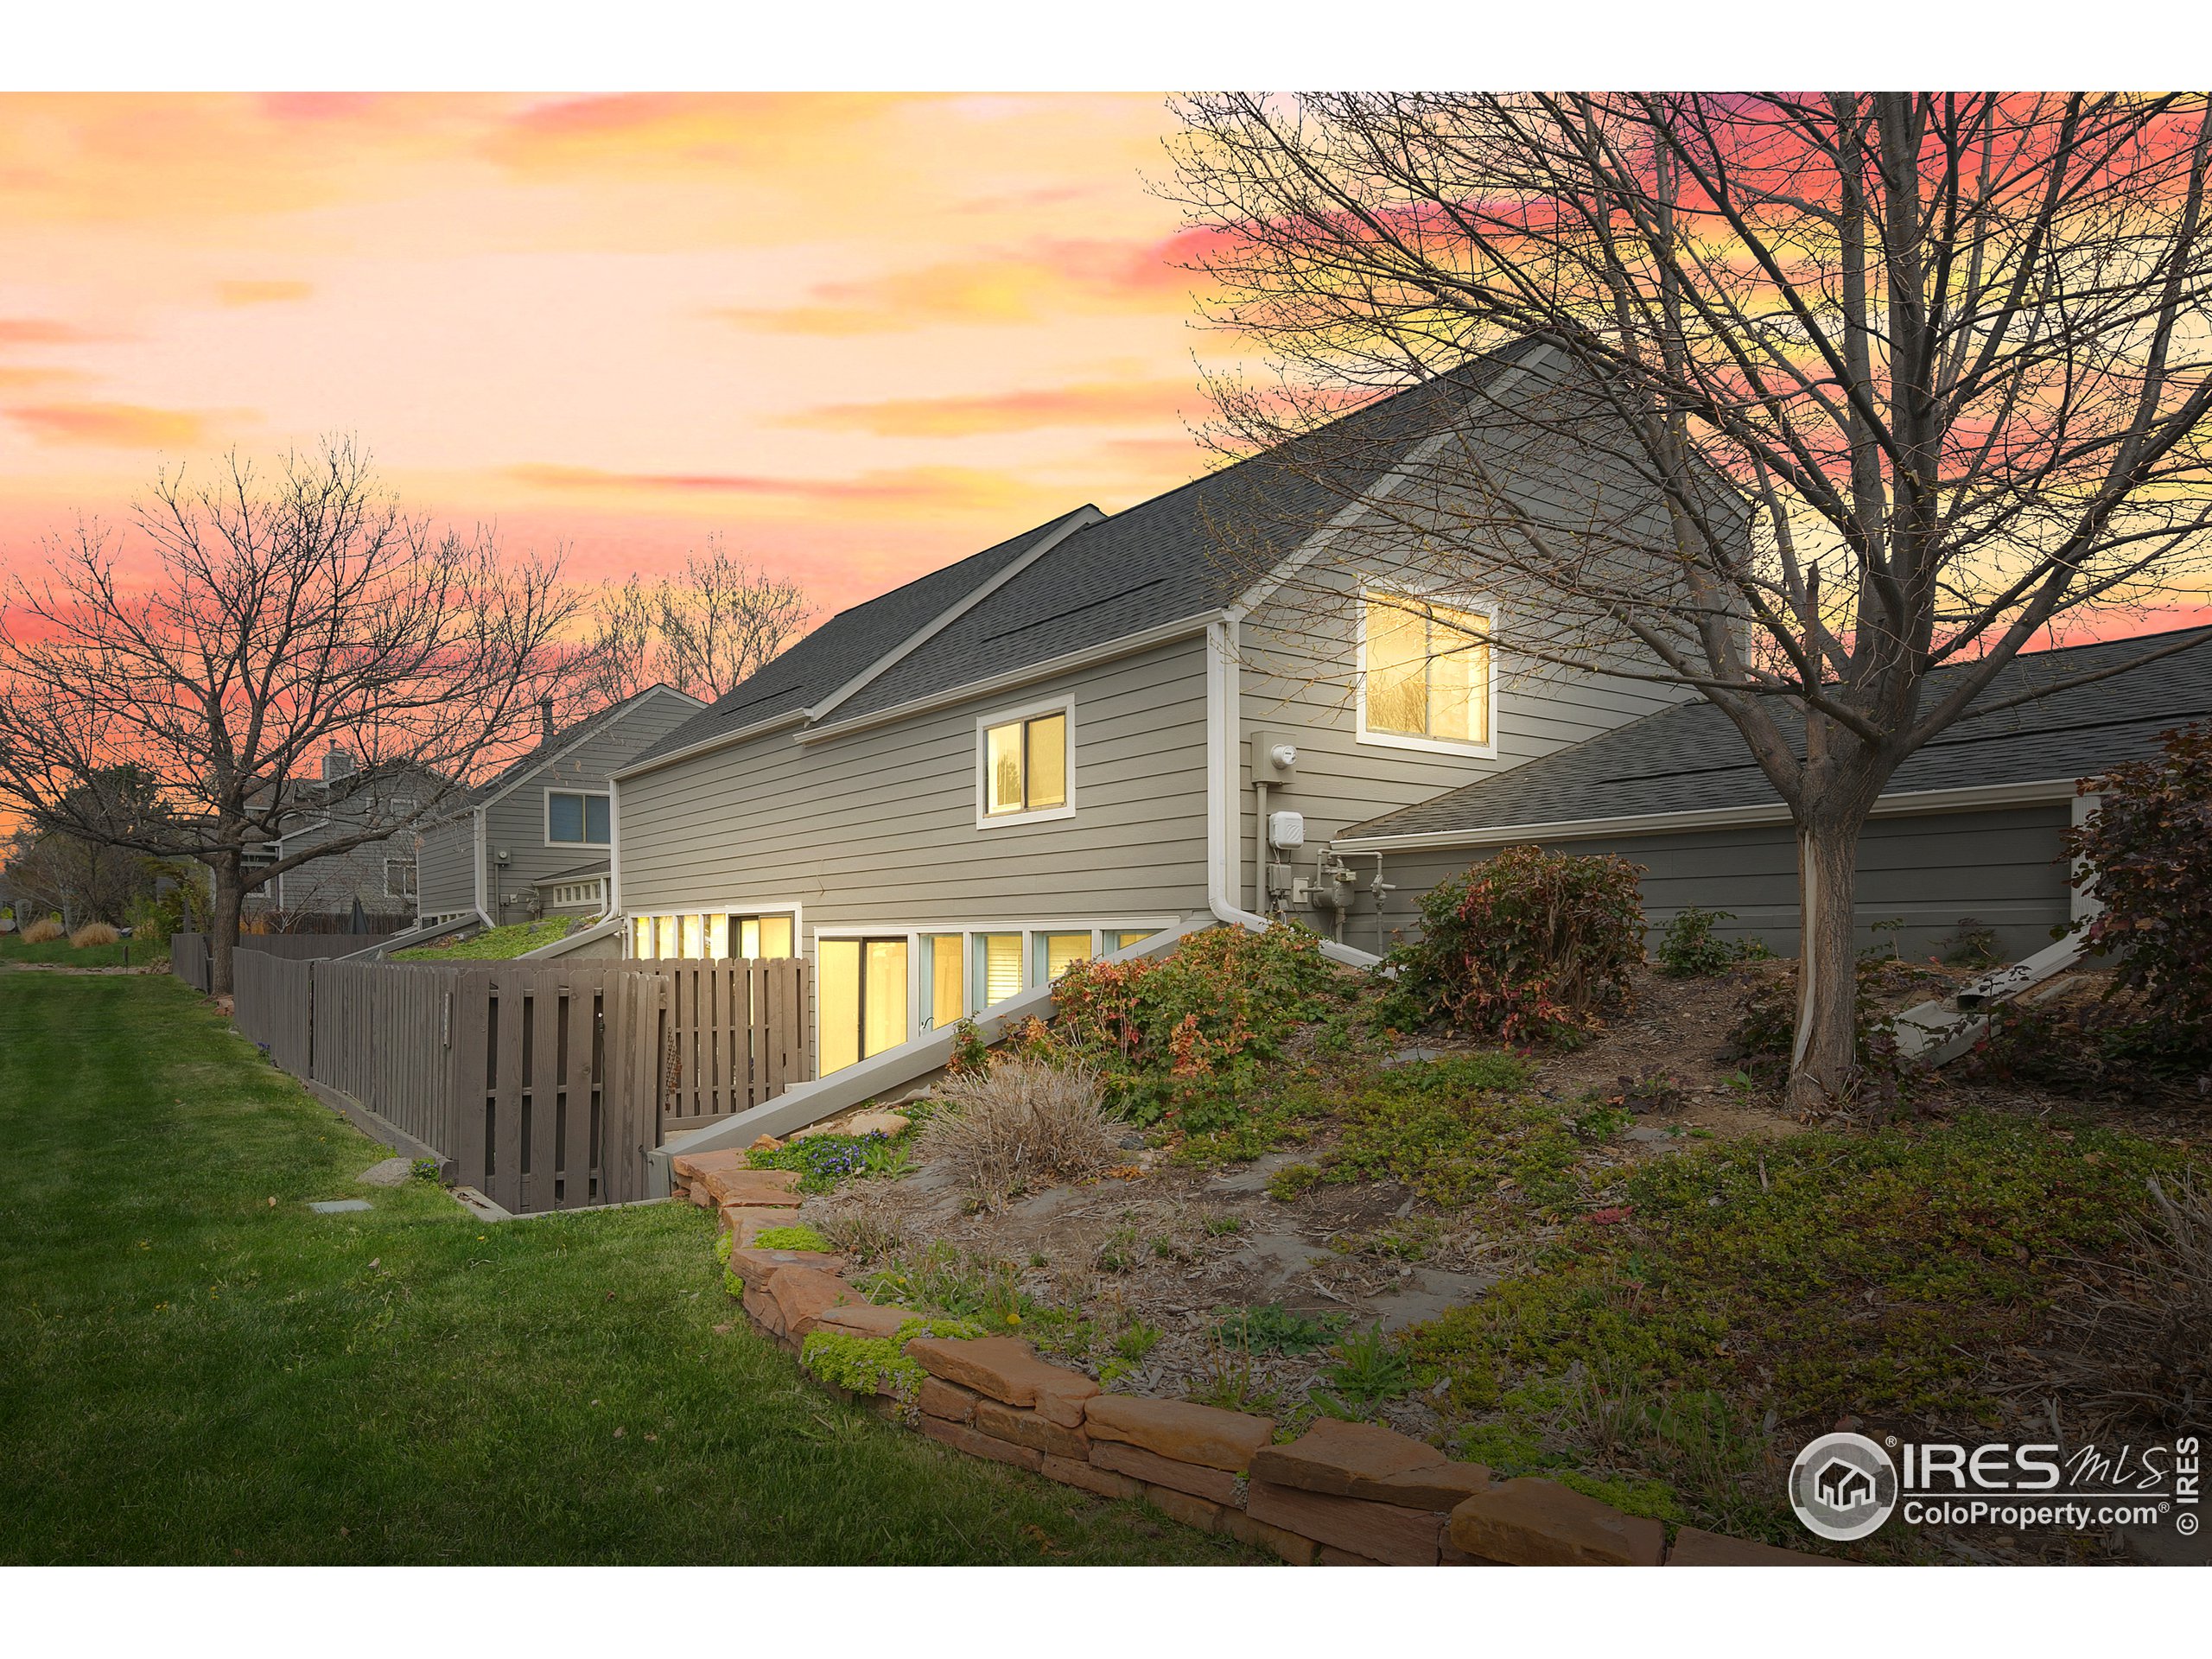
575	819
399	878
1426	679
1022	770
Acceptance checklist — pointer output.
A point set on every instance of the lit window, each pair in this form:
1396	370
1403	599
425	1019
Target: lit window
1128	936
1428	670
757	936
947	1004
642	945
718	938
576	820
1058	953
1026	765
664	938
998	966
695	942
860	991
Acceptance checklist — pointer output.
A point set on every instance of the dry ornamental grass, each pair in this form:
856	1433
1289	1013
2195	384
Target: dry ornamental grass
1020	1123
93	933
43	931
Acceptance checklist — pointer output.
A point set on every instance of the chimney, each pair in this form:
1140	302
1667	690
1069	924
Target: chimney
338	763
545	716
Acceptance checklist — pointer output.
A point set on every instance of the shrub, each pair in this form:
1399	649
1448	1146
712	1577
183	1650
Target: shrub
1690	949
1524	946
2149	849
45	931
1021	1122
93	933
1185	1035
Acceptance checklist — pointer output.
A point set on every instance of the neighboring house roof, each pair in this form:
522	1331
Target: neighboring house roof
580	873
1690	759
560	743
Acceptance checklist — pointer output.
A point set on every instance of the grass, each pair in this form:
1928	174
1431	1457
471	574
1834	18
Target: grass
197	1375
12	948
493	944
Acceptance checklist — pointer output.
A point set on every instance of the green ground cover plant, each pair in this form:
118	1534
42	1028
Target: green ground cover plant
494	943
826	1162
197	1375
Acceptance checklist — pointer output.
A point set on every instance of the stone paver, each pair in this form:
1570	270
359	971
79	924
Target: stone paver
1180	1430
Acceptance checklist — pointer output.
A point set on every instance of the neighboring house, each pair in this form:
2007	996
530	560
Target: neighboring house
1046	751
1967	834
533	840
378	875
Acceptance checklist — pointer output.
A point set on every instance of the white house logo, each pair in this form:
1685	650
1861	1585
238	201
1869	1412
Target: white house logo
1843	1486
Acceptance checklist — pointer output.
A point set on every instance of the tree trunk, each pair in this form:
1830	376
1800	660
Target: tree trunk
223	925
1824	1058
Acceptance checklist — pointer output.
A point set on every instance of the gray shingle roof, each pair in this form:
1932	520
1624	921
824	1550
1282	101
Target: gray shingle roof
1689	757
1182	554
846	643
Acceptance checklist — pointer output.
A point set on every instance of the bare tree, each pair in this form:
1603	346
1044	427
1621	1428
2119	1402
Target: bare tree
702	631
1852	387
261	623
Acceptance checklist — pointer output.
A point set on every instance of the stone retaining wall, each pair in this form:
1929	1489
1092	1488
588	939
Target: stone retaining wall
1341	1494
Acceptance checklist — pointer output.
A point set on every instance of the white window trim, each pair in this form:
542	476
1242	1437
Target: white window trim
1063	705
588	846
918	983
1453	600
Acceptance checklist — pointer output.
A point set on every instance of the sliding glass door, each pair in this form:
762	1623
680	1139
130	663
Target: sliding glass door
862	991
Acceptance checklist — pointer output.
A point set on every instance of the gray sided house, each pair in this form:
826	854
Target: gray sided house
1968	836
377	875
534	841
1045	752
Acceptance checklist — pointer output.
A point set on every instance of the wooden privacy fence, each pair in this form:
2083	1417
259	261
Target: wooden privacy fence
192	955
542	1085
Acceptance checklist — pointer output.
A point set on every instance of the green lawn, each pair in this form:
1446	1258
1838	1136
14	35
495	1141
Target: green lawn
195	1374
494	943
12	948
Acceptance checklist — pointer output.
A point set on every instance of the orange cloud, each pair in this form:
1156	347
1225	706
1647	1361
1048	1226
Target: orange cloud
1084	403
41	331
1047	279
938	488
686	131
273	292
21	374
109	426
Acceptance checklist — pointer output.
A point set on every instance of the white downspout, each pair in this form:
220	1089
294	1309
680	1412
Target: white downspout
483	875
1222	795
613	905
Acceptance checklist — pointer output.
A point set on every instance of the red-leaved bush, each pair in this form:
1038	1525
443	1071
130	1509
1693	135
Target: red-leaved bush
2149	850
1523	947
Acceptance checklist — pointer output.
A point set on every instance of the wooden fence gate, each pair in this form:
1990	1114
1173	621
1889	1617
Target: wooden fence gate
542	1085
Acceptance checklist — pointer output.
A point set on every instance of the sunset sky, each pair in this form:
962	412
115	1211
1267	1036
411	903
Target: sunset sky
858	335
